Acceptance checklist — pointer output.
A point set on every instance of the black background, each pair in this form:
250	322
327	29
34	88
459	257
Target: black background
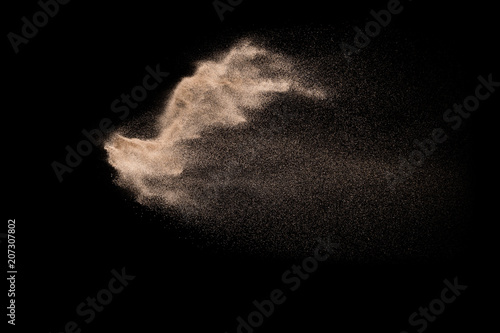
71	234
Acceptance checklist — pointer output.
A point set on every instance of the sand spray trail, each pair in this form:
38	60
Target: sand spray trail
265	152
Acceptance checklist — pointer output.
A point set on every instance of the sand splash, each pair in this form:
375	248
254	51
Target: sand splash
262	152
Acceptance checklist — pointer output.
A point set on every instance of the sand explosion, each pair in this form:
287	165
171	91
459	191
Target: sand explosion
266	152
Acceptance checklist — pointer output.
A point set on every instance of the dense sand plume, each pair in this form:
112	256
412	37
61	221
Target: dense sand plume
218	95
